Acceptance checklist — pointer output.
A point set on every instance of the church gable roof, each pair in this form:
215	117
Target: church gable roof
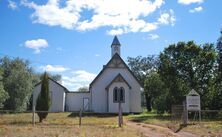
115	62
66	90
118	78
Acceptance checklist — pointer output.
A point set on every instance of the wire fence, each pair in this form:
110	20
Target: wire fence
182	116
70	118
60	118
30	117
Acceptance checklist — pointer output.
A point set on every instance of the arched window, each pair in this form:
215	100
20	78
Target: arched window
115	94
122	95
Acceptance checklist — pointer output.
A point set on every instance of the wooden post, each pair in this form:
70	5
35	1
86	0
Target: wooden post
121	111
185	114
199	115
33	115
120	116
80	117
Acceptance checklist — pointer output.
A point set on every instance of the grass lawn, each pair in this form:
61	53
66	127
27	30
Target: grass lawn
67	125
207	127
62	125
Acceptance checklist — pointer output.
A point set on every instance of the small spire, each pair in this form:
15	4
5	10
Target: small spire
116	41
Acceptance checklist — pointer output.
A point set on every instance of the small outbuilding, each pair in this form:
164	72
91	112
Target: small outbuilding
57	95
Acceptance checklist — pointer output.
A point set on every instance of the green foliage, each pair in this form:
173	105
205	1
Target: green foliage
55	77
219	57
180	68
3	94
17	82
153	84
216	96
156	90
187	66
141	67
160	103
43	100
83	89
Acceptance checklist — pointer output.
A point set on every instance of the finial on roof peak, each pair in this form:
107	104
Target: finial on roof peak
115	47
115	41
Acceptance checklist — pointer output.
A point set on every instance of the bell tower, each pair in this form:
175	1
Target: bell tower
115	47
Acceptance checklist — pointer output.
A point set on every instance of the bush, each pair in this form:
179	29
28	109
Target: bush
43	100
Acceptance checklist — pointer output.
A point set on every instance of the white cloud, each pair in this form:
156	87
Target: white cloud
80	78
197	9
51	14
113	32
97	55
167	18
119	16
37	44
53	68
153	36
12	5
187	2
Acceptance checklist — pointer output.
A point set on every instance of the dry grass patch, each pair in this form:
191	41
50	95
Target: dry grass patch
61	125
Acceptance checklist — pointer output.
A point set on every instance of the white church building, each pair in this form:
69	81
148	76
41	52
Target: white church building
114	83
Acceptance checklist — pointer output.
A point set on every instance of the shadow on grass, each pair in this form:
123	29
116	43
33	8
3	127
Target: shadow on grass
144	118
22	123
98	115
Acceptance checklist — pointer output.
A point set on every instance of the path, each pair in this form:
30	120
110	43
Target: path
148	130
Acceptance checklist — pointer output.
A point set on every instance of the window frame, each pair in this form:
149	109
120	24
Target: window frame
123	94
115	94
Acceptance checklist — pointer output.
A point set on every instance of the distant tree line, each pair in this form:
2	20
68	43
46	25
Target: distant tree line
17	80
168	77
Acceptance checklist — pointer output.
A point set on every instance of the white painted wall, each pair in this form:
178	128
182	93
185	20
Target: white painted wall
57	96
114	107
99	94
74	100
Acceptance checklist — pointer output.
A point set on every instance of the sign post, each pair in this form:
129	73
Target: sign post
120	115
193	102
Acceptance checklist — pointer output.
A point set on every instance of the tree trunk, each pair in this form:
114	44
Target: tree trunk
148	102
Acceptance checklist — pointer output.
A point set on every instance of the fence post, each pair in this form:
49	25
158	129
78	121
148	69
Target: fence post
80	117
33	115
185	114
120	116
199	115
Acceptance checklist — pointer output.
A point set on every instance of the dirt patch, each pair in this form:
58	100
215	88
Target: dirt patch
148	130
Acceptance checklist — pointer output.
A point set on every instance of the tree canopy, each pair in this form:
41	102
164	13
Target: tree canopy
142	67
83	89
3	94
17	82
185	66
178	69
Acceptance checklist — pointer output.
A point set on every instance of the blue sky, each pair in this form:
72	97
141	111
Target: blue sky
73	38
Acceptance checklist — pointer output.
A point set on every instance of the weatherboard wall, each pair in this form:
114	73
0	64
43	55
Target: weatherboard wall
57	95
113	107
99	94
74	100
